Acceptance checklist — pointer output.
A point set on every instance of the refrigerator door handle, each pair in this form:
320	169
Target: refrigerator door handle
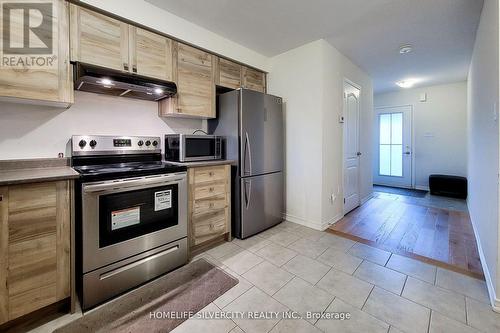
247	196
248	151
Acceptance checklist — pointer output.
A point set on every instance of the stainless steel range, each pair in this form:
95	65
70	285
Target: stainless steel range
131	214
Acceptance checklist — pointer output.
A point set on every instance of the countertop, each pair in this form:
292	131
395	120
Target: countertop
202	163
36	170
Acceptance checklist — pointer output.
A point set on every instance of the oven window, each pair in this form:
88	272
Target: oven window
199	147
131	214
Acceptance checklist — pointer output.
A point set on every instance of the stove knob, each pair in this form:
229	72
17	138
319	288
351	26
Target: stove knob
92	143
148	143
82	143
155	143
140	143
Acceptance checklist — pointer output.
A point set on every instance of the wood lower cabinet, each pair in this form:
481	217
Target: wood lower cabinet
253	79
98	39
49	82
34	248
209	205
194	74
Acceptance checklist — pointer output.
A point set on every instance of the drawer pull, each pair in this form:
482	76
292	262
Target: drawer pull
211	204
211	173
1	197
211	189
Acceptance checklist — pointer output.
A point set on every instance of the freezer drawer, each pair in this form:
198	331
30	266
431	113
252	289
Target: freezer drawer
261	203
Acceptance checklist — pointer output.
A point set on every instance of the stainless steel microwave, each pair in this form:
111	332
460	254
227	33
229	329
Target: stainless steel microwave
189	148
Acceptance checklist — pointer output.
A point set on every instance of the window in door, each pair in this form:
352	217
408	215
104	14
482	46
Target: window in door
391	144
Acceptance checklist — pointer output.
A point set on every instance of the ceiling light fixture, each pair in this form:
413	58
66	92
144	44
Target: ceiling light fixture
406	83
158	91
404	49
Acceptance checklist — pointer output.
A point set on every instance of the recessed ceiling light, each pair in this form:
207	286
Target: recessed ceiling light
406	83
404	49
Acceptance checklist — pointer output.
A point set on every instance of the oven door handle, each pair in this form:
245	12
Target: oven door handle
132	183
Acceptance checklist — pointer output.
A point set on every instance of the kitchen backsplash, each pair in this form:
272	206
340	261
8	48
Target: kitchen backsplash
28	131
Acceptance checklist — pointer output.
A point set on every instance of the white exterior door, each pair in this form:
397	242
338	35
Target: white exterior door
351	147
393	154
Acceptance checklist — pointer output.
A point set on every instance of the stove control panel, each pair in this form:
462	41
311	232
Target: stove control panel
105	145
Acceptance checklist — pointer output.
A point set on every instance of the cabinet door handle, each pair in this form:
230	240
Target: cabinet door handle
134	69
211	174
1	197
125	66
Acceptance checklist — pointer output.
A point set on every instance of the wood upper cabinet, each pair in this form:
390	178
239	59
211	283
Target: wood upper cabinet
194	74
48	83
253	79
34	247
229	74
104	41
98	39
150	54
233	76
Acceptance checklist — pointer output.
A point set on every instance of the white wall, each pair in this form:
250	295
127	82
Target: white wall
439	129
483	137
337	68
296	76
28	131
310	79
144	13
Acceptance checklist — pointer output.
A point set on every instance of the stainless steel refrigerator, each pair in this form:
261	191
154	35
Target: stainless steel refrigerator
252	123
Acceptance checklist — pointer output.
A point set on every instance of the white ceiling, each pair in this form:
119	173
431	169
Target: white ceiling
369	32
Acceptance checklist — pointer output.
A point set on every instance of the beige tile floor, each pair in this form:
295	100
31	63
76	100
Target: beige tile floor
291	267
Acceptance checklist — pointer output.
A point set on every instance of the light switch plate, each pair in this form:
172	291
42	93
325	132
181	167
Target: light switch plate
423	97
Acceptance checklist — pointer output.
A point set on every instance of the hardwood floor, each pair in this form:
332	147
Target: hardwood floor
424	229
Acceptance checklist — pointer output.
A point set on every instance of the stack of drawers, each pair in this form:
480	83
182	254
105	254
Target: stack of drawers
209	204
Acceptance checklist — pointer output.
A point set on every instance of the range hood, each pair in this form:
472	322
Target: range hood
107	81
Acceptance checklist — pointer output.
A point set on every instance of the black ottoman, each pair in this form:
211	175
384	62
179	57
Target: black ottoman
448	186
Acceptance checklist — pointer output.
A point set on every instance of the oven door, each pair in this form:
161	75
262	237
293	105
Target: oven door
126	217
200	148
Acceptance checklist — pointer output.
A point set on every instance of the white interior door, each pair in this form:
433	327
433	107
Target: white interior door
351	147
393	157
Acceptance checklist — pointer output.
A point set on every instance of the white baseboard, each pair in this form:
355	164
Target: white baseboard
333	220
317	225
422	187
494	300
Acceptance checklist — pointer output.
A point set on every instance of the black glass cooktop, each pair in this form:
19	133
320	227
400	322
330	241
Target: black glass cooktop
126	169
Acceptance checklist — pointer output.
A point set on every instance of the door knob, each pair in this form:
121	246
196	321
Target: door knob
358	153
407	153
